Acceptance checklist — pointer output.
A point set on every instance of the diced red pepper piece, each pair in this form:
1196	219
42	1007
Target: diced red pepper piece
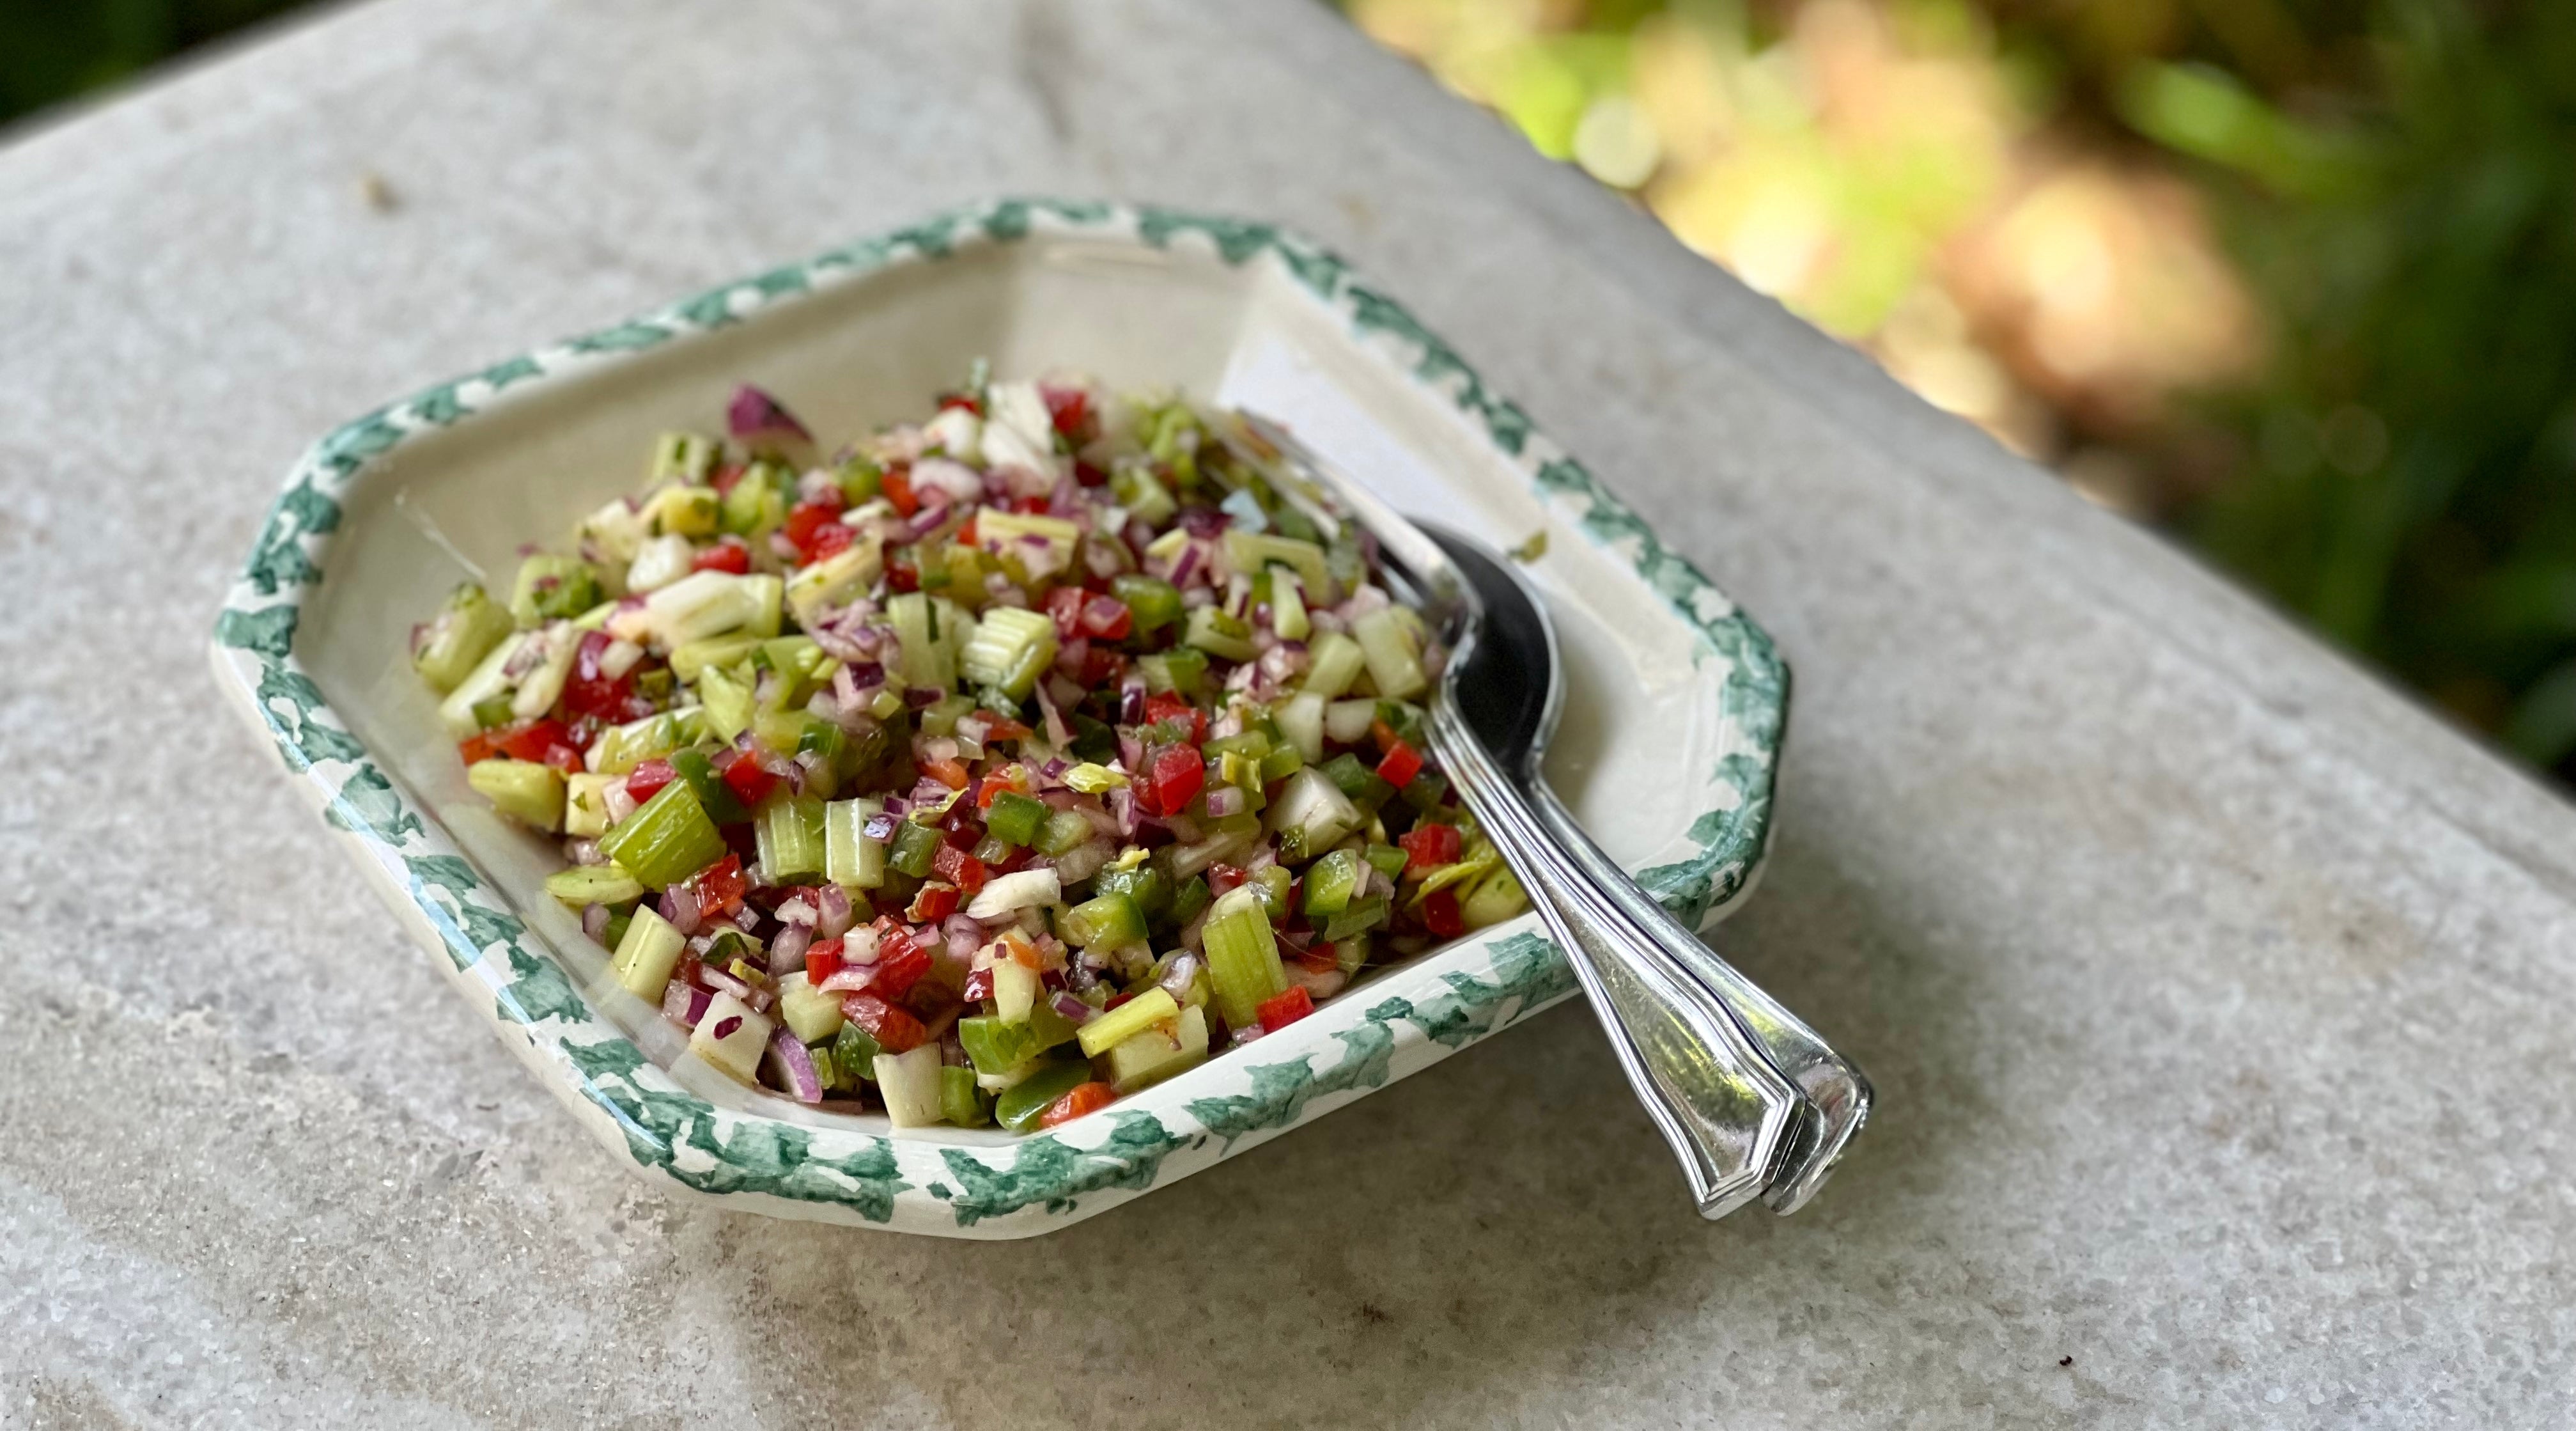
1102	666
963	401
1064	607
743	773
1107	618
823	960
726	475
832	539
935	903
979	986
1066	408
959	868
590	691
1429	846
647	779
1178	776
478	747
897	487
946	772
1440	914
806	519
719	887
1003	728
1384	735
895	1030
1402	763
1278	1013
1159	709
900	965
1030	505
1084	1098
1089	476
544	740
728	555
1224	878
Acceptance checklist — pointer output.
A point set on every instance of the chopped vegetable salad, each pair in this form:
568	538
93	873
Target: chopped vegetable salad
985	769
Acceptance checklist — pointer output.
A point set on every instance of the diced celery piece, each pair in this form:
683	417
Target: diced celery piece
1358	916
1333	661
1020	1107
1142	494
524	790
1350	954
586	805
615	532
582	886
1006	643
1064	832
851	859
1243	959
725	699
681	457
698	657
647	953
1142	883
1251	551
1174	672
861	480
1301	723
910	1084
811	1014
960	1101
539	688
925	660
621	748
553	588
1279	764
1315	809
1103	922
756	502
1288	607
1393	652
667	840
1250	742
789	832
683	511
1155	602
1015	817
1331	881
856	1050
833	580
1348	722
459	637
1495	898
915	844
762	593
1212	631
1148	1058
996	529
1135	1016
940	717
1183	861
733	1035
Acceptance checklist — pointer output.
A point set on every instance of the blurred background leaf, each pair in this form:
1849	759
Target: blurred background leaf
2293	279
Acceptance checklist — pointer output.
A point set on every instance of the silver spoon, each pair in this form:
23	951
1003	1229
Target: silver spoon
1739	1128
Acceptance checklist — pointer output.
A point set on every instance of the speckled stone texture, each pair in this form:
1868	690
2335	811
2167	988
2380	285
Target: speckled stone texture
2218	1000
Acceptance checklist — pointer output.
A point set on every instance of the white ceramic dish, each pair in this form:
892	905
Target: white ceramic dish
1673	720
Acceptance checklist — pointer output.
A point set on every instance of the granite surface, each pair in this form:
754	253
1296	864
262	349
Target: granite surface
2218	1000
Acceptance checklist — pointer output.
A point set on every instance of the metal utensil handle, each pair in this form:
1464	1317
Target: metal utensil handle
1728	1115
1840	1094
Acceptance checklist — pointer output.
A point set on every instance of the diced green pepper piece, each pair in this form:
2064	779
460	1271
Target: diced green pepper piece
1174	672
754	503
1389	860
1064	832
1366	788
960	1101
582	886
997	1045
1426	791
1144	884
1142	494
553	588
1107	921
1190	899
1155	602
1211	630
524	790
1331	881
861	480
1252	743
1094	740
714	796
725	696
1497	897
856	1050
915	845
667	840
459	637
1014	818
1279	764
1023	1103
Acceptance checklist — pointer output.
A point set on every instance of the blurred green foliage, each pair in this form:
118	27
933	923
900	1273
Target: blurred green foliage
53	50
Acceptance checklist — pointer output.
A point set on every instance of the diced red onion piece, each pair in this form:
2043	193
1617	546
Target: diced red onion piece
788	1057
832	913
1074	1009
1224	800
594	922
685	1003
787	951
754	415
723	979
1176	979
680	906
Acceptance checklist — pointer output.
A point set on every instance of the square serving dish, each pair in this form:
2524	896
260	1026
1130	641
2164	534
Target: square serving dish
1673	715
